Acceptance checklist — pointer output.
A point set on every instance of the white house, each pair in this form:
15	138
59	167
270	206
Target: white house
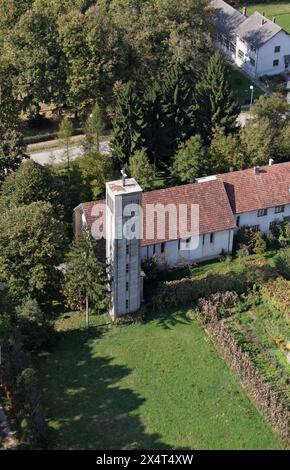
254	43
257	197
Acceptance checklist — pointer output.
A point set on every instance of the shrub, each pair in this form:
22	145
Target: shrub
250	239
277	294
216	306
260	244
280	234
282	263
36	330
22	396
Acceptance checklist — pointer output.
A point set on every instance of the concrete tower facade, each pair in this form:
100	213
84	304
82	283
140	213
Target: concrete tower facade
123	233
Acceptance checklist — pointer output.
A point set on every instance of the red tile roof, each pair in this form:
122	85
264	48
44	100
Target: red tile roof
236	192
215	213
214	209
248	191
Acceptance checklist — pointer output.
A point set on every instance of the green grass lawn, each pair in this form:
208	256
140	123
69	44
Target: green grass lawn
241	87
280	10
158	385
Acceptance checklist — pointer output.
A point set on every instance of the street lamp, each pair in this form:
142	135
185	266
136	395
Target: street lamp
252	95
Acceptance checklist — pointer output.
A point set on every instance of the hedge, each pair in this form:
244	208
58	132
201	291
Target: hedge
185	291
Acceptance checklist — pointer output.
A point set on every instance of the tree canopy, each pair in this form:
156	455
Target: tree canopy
32	241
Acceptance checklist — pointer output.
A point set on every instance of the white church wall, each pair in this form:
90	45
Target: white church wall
173	256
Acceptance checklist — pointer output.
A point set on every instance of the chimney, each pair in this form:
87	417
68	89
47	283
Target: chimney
124	176
256	170
263	13
271	162
274	19
245	11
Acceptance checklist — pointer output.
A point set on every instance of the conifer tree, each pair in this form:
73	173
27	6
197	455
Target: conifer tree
93	127
128	126
141	169
216	104
85	277
179	110
155	131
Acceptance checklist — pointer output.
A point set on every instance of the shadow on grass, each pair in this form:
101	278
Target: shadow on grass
85	405
169	320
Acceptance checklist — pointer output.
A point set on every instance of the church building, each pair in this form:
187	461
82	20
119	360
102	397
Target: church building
180	225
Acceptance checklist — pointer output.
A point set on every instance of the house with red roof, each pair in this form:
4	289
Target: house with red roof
180	225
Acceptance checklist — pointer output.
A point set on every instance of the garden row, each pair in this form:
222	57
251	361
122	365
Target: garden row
261	392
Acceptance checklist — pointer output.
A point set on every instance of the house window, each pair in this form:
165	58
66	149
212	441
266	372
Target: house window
188	240
275	63
279	209
238	221
154	249
272	224
262	212
233	47
162	247
203	239
241	54
127	268
127	286
179	244
127	249
212	237
252	62
277	49
127	304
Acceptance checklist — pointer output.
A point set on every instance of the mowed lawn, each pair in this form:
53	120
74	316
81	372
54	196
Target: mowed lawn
240	85
160	385
280	10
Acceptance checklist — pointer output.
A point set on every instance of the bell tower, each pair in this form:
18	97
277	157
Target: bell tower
123	234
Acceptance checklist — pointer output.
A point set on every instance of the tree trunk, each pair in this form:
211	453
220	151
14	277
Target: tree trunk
87	312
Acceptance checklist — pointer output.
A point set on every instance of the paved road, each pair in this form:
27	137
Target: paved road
55	156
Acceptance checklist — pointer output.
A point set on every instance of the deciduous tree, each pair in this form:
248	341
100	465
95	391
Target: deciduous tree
31	183
32	241
191	161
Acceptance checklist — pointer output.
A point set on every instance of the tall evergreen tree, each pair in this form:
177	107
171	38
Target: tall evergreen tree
85	277
216	104
94	125
141	169
155	131
128	126
179	110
